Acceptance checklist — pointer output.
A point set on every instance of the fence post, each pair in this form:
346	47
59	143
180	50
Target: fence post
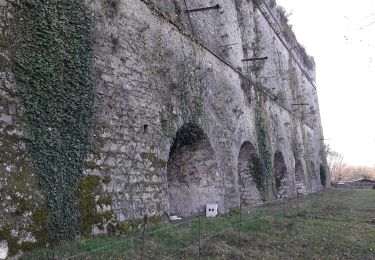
285	205
199	234
143	236
240	225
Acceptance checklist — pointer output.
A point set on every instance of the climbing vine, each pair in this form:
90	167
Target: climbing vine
52	66
263	168
306	154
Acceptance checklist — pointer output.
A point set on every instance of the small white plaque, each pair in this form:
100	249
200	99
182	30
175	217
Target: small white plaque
211	210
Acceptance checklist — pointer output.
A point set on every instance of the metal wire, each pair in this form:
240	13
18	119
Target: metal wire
278	201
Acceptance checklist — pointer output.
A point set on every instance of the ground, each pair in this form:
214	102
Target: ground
332	224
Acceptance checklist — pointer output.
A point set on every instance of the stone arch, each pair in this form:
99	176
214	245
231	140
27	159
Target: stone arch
248	184
193	175
323	175
280	174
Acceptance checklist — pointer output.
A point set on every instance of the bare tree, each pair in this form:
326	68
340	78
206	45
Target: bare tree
336	164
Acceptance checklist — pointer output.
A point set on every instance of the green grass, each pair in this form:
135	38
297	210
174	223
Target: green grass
334	224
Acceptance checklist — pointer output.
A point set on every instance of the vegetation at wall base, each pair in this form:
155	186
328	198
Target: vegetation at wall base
333	224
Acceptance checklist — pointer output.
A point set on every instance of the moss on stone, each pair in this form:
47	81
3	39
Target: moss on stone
128	225
154	159
87	209
87	204
38	227
91	165
89	184
24	205
105	200
6	234
106	179
106	215
96	149
4	42
4	64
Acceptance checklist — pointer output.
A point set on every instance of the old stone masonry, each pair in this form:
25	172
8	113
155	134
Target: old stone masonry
114	109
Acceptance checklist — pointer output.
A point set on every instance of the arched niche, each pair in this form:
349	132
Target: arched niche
193	176
281	174
323	175
248	183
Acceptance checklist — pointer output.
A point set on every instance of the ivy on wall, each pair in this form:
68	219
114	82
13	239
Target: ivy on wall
263	167
52	58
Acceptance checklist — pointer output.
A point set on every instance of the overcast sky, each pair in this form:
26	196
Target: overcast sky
341	37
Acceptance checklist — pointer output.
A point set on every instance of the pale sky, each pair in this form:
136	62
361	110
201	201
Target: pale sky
341	37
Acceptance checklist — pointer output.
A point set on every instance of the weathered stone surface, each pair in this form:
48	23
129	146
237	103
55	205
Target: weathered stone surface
156	69
158	77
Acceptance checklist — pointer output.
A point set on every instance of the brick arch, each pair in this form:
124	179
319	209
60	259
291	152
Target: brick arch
248	183
193	175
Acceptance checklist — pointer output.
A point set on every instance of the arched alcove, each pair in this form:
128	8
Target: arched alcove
280	174
323	175
247	182
193	175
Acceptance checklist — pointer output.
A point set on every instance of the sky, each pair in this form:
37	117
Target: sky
341	37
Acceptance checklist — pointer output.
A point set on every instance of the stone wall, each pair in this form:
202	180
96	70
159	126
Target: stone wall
156	69
168	68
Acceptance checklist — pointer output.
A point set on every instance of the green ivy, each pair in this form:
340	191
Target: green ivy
263	168
52	56
306	154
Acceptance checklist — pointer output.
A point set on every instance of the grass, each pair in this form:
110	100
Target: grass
334	224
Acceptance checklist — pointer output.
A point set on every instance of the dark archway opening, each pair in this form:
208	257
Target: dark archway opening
280	174
249	185
193	176
323	176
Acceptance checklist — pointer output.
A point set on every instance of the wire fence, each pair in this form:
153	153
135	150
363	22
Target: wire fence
188	237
